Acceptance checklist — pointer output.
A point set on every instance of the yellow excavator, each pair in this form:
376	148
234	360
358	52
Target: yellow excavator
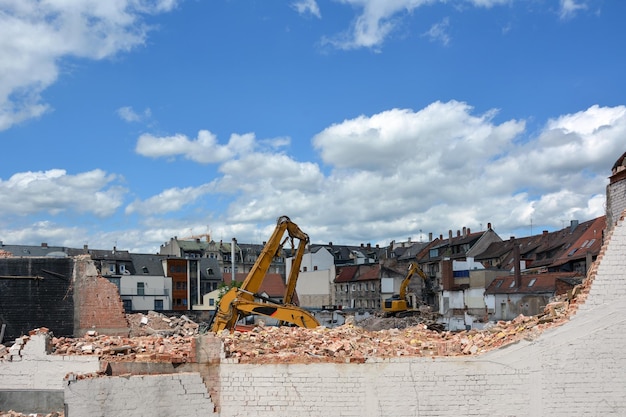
240	302
404	304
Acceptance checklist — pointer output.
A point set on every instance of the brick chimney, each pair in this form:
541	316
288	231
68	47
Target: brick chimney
447	275
516	267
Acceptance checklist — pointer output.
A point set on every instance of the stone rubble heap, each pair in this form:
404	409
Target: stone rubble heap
353	344
152	338
12	413
157	338
158	324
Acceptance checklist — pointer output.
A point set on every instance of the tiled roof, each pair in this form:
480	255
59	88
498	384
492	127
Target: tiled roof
549	249
531	284
350	273
589	242
368	273
346	273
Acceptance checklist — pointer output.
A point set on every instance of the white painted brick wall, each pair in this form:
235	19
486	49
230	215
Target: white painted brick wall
182	394
33	368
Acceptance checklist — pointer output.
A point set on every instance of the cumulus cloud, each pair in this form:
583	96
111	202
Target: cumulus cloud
307	7
169	200
128	114
35	36
55	191
389	175
205	148
393	174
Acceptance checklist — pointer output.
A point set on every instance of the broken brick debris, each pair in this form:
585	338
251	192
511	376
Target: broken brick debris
157	338
351	343
12	413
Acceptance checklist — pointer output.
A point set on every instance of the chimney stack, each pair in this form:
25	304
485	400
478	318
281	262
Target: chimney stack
516	267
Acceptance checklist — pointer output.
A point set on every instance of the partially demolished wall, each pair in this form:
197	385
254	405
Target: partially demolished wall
36	292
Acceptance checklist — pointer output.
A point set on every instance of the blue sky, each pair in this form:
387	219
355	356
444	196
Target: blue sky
127	123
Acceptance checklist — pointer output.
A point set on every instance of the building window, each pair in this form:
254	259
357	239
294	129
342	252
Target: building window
433	253
304	269
209	271
315	267
140	288
532	282
145	269
211	302
158	305
128	305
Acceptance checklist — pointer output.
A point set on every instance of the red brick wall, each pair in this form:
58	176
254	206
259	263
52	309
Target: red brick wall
447	275
97	303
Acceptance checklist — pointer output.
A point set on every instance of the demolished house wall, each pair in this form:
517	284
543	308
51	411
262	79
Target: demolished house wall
98	304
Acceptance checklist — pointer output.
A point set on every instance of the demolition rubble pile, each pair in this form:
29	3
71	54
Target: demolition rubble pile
155	337
390	337
354	344
382	322
152	338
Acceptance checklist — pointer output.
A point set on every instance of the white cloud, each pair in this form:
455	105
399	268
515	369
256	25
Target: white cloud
389	176
35	36
438	32
400	171
204	149
307	7
169	200
569	8
55	192
128	114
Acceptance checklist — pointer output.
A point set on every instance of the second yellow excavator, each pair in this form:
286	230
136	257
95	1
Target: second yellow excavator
404	304
241	302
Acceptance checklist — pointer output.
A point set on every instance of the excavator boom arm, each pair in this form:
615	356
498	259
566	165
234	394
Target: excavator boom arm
241	301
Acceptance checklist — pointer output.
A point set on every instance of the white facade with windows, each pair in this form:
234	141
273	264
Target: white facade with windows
141	292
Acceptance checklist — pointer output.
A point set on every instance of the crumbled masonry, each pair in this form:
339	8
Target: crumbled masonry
157	338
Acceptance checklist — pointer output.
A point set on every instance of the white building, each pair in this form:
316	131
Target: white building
146	292
315	282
